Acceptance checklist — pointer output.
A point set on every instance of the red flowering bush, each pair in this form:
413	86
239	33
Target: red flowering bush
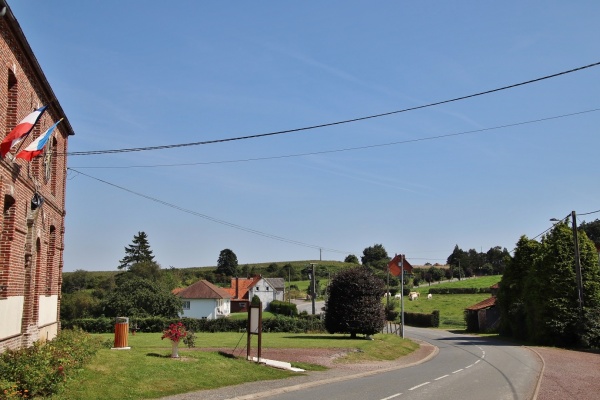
175	332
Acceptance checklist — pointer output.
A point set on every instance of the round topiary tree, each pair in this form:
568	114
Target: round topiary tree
354	303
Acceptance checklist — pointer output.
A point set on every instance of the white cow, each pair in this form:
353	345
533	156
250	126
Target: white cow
398	296
429	296
413	296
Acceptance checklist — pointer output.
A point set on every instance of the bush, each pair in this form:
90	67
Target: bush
38	371
423	320
283	308
459	290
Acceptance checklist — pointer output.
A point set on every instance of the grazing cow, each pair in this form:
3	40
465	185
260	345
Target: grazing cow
398	296
429	296
413	296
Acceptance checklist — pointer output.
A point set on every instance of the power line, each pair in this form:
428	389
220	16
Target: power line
170	146
216	220
482	130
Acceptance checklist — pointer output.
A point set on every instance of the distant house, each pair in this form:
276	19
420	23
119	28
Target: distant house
483	316
239	293
204	300
267	290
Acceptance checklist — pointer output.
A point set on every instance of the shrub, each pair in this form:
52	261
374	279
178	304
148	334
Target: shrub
423	320
38	371
283	308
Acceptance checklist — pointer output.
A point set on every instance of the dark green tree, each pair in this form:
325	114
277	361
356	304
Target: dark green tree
592	230
138	251
76	281
351	258
227	264
354	303
375	257
137	297
512	297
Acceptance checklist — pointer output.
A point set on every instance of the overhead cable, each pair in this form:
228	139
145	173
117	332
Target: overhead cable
170	146
218	221
348	148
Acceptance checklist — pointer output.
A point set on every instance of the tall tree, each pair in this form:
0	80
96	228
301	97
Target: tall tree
375	256
227	264
354	303
137	297
512	297
592	230
137	252
351	258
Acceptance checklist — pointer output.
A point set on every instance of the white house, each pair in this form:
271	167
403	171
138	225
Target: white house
267	290
204	300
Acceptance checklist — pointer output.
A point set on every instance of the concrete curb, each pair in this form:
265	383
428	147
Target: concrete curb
541	376
434	351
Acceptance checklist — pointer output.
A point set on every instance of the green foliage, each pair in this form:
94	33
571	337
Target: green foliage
538	296
592	230
255	300
352	259
354	302
376	257
79	304
227	264
40	370
458	290
135	297
137	252
423	320
283	308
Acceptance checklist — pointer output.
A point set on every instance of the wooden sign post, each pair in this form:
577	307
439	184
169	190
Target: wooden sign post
254	328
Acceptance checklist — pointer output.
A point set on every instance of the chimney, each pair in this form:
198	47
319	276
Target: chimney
237	287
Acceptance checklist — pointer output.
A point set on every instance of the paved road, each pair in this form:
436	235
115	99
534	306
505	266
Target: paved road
466	368
304	305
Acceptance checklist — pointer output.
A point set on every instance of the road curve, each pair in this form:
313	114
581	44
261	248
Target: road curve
466	367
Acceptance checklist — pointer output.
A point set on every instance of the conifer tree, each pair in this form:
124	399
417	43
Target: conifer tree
137	252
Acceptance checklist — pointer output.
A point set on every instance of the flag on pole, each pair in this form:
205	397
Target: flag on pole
37	146
395	268
20	131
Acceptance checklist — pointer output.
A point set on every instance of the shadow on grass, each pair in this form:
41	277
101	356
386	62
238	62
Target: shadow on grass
157	355
326	337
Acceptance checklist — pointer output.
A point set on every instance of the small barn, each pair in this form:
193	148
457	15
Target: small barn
483	316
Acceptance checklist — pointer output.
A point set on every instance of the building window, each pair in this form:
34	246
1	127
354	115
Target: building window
185	304
267	288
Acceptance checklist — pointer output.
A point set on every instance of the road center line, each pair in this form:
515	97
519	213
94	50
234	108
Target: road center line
441	377
458	370
392	396
418	386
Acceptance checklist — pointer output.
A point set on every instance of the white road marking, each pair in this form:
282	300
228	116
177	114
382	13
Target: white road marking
418	386
458	370
441	377
392	396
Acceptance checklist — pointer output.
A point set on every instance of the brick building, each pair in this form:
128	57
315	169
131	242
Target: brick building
31	231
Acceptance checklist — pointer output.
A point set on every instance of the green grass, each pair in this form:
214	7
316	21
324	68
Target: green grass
450	306
147	371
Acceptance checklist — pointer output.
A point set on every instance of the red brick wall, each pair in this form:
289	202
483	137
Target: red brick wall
31	242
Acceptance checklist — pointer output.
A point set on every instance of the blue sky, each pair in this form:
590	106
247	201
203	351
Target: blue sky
148	73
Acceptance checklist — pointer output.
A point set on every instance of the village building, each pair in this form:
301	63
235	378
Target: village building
32	194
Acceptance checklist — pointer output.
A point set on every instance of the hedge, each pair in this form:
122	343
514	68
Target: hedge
279	323
423	320
459	290
283	308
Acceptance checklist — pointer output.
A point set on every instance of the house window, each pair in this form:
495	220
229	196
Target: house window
185	304
267	288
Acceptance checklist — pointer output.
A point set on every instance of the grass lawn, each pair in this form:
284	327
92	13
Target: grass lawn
147	371
450	306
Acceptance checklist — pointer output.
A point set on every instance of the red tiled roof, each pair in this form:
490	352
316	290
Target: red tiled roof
244	284
487	303
203	289
177	290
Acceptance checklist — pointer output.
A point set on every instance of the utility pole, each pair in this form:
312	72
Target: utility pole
577	262
402	295
313	288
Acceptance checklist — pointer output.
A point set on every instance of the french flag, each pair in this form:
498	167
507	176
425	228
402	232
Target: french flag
20	131
37	146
